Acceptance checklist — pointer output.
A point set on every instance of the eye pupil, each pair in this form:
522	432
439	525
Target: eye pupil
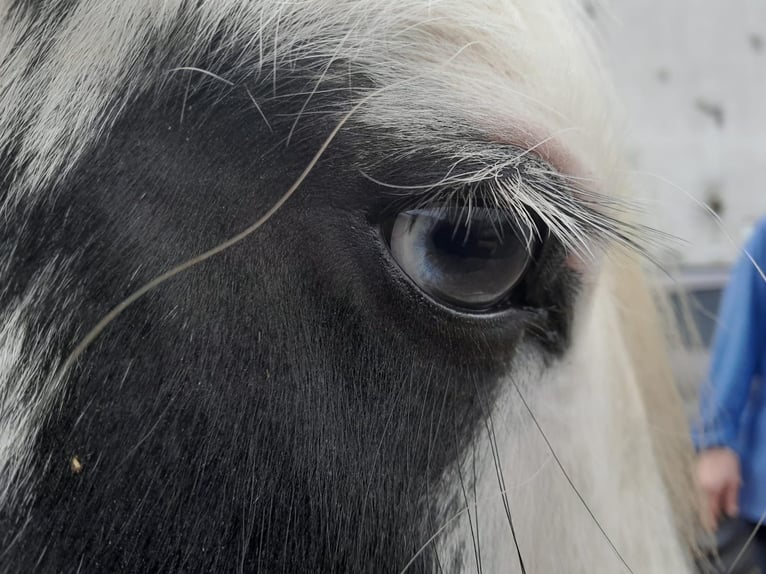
463	240
470	261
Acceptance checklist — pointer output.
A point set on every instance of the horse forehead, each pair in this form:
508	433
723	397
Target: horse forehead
520	71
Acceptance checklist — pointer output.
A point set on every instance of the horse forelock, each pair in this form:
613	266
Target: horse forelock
68	71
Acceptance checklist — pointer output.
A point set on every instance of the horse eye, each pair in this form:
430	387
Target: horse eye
470	259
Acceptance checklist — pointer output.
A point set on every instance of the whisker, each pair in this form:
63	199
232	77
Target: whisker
474	540
748	542
116	311
465	509
476	502
438	424
716	218
568	479
500	475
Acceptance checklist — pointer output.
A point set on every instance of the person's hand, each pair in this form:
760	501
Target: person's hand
719	476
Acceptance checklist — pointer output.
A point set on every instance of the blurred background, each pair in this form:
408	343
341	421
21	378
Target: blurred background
691	76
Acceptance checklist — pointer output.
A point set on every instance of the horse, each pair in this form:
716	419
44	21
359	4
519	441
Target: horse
326	286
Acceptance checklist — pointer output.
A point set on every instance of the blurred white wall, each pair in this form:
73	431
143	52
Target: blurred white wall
692	78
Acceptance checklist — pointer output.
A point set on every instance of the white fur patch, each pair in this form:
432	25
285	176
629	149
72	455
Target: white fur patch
591	410
28	386
519	71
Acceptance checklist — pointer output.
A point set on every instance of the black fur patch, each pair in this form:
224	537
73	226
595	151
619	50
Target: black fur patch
288	406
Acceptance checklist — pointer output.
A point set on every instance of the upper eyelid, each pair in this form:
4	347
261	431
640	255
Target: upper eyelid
470	163
467	183
525	184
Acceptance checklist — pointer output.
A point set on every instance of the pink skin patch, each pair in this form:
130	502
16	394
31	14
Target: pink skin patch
564	162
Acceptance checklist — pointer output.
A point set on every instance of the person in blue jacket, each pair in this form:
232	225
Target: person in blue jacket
731	466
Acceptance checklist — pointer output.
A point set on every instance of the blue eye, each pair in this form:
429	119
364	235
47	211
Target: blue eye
470	260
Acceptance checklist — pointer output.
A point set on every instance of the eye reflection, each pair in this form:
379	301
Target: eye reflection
466	260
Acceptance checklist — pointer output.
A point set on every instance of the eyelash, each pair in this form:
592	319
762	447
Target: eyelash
464	200
531	191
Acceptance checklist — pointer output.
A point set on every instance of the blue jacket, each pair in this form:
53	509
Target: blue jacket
733	405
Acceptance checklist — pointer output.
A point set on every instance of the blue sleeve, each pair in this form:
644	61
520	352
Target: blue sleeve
737	349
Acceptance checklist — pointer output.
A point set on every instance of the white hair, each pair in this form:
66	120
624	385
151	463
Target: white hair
520	72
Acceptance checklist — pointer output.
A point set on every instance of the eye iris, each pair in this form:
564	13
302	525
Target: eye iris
470	261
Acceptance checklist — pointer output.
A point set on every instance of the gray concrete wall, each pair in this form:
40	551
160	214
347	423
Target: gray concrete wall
692	77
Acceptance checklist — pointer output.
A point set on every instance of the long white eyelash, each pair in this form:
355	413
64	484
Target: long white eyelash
527	188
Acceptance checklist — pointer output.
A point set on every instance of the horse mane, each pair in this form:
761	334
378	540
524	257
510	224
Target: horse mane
648	336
